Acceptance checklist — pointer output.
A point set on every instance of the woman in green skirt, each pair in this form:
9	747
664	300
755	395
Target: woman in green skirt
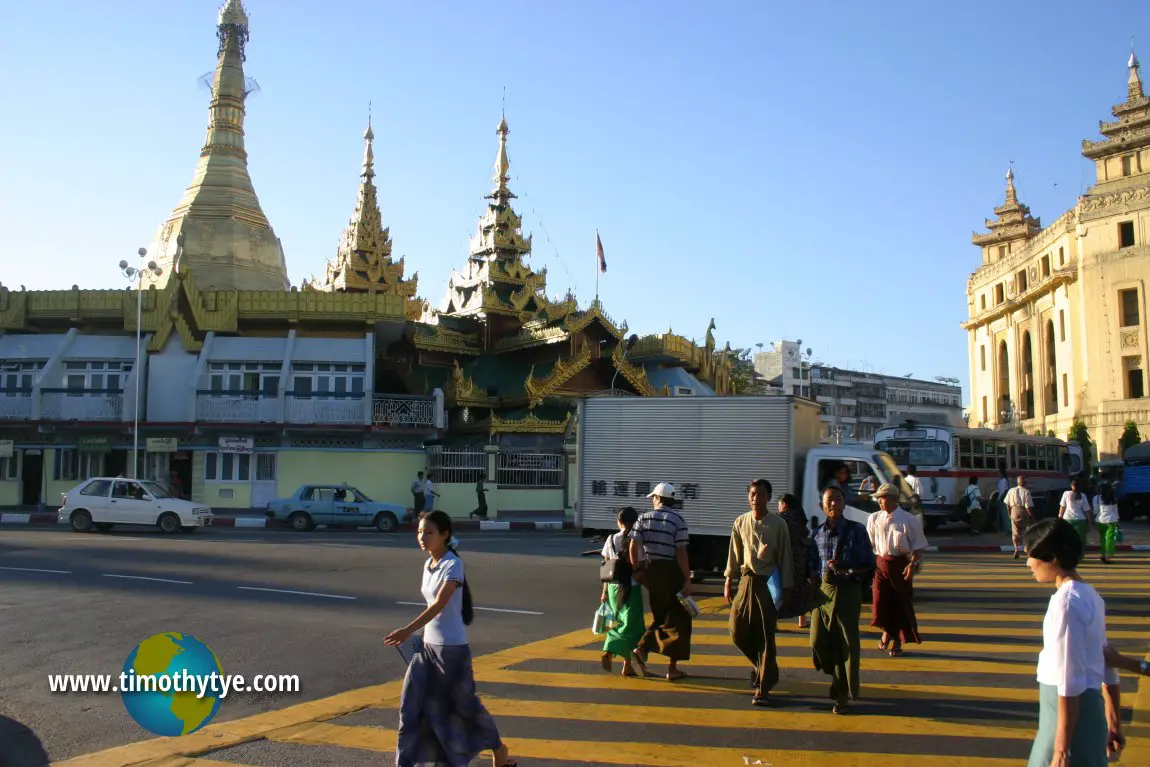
1077	719
624	599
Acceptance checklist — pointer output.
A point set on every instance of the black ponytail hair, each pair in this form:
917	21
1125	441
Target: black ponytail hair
442	522
628	516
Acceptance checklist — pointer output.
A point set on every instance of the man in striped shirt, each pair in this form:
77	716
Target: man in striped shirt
659	540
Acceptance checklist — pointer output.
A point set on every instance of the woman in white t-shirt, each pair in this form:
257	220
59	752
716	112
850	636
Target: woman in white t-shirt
441	719
1075	509
1106	507
1077	723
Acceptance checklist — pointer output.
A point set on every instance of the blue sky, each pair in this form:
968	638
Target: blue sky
801	170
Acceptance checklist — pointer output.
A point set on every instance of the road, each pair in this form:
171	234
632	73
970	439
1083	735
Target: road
965	698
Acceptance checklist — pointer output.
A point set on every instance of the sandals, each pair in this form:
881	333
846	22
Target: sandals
882	643
839	709
679	674
639	661
896	652
605	661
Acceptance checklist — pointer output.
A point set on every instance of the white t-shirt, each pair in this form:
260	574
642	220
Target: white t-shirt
1003	488
897	533
1074	509
1073	638
915	484
615	545
1107	512
972	495
448	627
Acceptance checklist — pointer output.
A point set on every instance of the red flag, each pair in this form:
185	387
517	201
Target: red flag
599	251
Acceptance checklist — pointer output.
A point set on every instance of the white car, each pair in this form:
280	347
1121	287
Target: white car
102	502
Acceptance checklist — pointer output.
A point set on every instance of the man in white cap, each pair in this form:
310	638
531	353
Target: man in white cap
659	544
898	542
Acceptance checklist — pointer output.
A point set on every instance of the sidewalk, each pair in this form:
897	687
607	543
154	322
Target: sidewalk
1136	537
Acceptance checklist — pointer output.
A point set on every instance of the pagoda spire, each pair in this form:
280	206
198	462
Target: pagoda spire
502	194
363	262
1012	222
1134	83
228	241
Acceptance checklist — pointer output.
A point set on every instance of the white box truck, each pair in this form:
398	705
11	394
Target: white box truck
711	448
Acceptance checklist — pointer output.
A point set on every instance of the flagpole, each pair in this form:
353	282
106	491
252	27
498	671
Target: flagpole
597	266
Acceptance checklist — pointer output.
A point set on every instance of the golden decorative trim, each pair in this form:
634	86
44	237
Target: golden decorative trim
635	375
462	391
531	287
563	372
583	320
443	340
528	337
529	424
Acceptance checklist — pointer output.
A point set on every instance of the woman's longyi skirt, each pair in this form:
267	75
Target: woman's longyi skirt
1087	746
442	723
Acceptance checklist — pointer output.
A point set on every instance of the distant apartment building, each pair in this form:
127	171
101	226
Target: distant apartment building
855	403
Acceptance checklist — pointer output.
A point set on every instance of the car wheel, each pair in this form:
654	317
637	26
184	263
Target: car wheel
168	523
385	522
81	521
301	522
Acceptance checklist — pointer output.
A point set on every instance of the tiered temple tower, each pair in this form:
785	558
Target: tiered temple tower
225	236
363	262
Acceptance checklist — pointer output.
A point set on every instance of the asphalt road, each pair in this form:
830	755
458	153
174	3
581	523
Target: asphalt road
77	604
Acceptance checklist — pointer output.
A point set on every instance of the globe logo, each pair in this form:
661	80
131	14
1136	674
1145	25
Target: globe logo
171	684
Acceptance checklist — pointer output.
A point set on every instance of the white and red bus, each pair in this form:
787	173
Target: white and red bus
946	457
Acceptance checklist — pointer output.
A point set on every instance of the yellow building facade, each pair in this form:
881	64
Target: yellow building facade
1056	313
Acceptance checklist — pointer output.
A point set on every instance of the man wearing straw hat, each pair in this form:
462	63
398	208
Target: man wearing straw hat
898	542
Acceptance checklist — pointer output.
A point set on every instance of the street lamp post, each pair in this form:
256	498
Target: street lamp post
138	276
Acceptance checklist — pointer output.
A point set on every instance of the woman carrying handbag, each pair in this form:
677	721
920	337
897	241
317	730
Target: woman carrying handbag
621	593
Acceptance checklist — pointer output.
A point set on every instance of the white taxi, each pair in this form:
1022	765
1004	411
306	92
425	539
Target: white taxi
101	502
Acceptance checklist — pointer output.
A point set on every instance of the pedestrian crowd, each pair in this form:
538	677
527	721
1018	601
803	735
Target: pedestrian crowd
777	567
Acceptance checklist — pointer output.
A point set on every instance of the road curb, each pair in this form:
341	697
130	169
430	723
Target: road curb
263	523
961	548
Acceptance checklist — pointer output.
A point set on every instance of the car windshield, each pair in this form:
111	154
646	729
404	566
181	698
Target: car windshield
157	490
888	472
920	452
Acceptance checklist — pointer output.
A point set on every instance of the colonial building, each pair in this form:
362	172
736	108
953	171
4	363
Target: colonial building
241	387
1055	312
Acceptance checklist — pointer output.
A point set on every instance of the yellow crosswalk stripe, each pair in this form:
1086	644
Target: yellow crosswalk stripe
618	683
748	718
648	754
975	648
905	665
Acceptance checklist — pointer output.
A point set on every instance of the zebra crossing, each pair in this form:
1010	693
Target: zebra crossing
966	697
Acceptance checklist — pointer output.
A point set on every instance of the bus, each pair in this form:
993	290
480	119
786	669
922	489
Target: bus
948	456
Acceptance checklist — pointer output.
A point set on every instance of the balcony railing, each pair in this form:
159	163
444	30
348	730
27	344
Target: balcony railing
16	405
82	405
224	407
398	411
335	409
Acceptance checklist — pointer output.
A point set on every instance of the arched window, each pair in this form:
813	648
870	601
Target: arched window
1004	408
1027	388
1051	387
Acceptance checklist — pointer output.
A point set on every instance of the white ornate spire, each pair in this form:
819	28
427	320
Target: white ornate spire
368	155
501	194
1134	84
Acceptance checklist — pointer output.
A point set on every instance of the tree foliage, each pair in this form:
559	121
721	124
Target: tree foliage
1130	437
1079	435
744	379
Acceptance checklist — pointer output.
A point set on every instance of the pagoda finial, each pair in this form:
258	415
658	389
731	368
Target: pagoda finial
1011	194
1134	84
233	25
501	193
368	155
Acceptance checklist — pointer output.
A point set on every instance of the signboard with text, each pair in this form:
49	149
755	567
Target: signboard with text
7	448
94	444
162	444
237	445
